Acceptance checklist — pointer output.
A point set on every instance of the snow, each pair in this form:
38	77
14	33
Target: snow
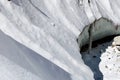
104	61
19	62
50	28
110	63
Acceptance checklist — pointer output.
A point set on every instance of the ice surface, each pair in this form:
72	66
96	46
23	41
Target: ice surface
18	62
50	28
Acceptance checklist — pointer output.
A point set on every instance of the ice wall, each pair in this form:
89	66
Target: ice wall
51	27
101	28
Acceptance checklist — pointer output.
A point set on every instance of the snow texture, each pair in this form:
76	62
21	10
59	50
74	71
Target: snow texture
104	61
50	29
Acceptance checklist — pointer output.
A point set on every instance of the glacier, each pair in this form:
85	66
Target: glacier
38	37
102	27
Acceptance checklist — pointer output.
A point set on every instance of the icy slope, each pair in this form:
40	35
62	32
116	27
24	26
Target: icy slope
48	37
51	27
17	62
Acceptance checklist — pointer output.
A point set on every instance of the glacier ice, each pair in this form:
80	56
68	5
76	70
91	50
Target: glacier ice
50	28
100	28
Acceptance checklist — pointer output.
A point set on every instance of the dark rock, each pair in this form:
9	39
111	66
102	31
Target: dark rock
94	56
106	66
